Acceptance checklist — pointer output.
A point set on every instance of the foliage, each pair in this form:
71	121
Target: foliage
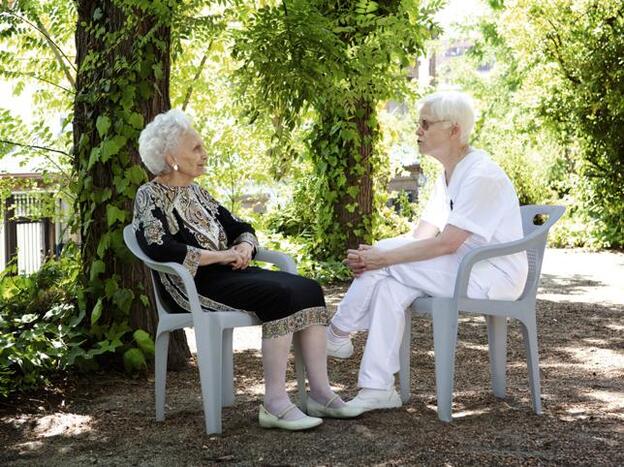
32	34
581	45
40	330
566	92
339	59
506	127
551	110
323	271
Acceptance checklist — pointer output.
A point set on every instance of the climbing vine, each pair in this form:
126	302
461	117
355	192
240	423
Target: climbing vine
341	60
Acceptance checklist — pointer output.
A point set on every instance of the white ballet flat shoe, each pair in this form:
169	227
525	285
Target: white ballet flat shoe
268	420
316	409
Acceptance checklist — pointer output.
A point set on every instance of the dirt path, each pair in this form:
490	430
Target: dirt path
108	420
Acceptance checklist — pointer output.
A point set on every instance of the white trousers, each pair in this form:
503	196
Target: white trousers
377	300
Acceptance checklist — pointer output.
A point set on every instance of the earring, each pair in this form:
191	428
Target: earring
175	167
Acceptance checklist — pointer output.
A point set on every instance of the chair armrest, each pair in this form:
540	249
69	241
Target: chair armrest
535	239
281	260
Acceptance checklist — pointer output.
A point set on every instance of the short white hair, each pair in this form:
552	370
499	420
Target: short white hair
452	106
160	136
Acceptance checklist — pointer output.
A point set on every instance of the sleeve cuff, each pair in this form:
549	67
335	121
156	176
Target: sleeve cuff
191	260
465	224
247	237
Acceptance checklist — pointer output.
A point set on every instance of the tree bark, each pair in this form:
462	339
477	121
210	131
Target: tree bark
359	173
97	93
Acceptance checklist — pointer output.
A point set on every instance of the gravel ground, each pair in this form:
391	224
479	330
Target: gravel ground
108	420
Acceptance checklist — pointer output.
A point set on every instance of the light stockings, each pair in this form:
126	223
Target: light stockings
314	349
274	360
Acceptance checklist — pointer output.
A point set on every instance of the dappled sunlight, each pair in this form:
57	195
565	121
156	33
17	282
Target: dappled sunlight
471	346
606	359
47	428
252	389
337	387
63	424
612	401
615	327
471	413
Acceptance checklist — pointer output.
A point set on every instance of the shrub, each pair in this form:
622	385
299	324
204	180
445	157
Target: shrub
39	324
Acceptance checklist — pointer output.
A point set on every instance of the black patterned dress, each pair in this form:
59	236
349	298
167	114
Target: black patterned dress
174	223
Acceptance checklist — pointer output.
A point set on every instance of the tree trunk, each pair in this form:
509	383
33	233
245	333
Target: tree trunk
103	83
359	173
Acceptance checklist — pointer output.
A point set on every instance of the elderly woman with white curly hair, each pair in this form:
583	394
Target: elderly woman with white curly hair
473	204
177	220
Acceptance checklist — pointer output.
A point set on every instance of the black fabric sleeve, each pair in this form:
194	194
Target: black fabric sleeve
153	233
236	230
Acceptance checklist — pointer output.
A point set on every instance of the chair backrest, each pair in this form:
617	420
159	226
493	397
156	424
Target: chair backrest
133	245
535	255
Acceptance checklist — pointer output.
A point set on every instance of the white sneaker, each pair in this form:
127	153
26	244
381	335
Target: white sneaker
342	349
373	400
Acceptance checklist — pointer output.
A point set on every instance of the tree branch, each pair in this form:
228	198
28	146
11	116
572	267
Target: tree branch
62	172
38	78
557	46
59	54
189	91
42	148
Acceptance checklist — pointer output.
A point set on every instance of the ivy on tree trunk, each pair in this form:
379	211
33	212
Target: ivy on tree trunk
123	61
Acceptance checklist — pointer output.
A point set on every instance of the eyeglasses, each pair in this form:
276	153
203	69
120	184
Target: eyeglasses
426	124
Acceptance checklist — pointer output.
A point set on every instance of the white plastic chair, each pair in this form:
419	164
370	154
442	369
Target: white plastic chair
213	336
445	314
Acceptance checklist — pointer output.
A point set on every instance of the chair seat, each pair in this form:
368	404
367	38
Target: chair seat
213	336
425	306
445	315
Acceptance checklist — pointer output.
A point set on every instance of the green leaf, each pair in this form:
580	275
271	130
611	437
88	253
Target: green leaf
136	174
121	184
97	268
94	156
108	149
122	298
97	312
353	191
136	120
110	287
103	245
102	124
134	360
114	214
144	342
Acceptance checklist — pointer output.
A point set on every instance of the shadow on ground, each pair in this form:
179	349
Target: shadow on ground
108	420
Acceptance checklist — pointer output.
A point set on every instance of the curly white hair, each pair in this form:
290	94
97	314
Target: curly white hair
160	136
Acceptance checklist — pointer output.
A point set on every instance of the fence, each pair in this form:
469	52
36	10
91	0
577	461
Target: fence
24	235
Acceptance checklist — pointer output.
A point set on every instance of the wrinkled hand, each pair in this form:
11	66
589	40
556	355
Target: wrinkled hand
231	257
365	258
245	250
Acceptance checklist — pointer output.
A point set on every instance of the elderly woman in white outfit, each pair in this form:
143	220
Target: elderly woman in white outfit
473	204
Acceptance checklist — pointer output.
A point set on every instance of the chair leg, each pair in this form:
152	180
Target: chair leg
209	341
444	341
227	369
301	372
404	358
160	373
497	340
529	333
